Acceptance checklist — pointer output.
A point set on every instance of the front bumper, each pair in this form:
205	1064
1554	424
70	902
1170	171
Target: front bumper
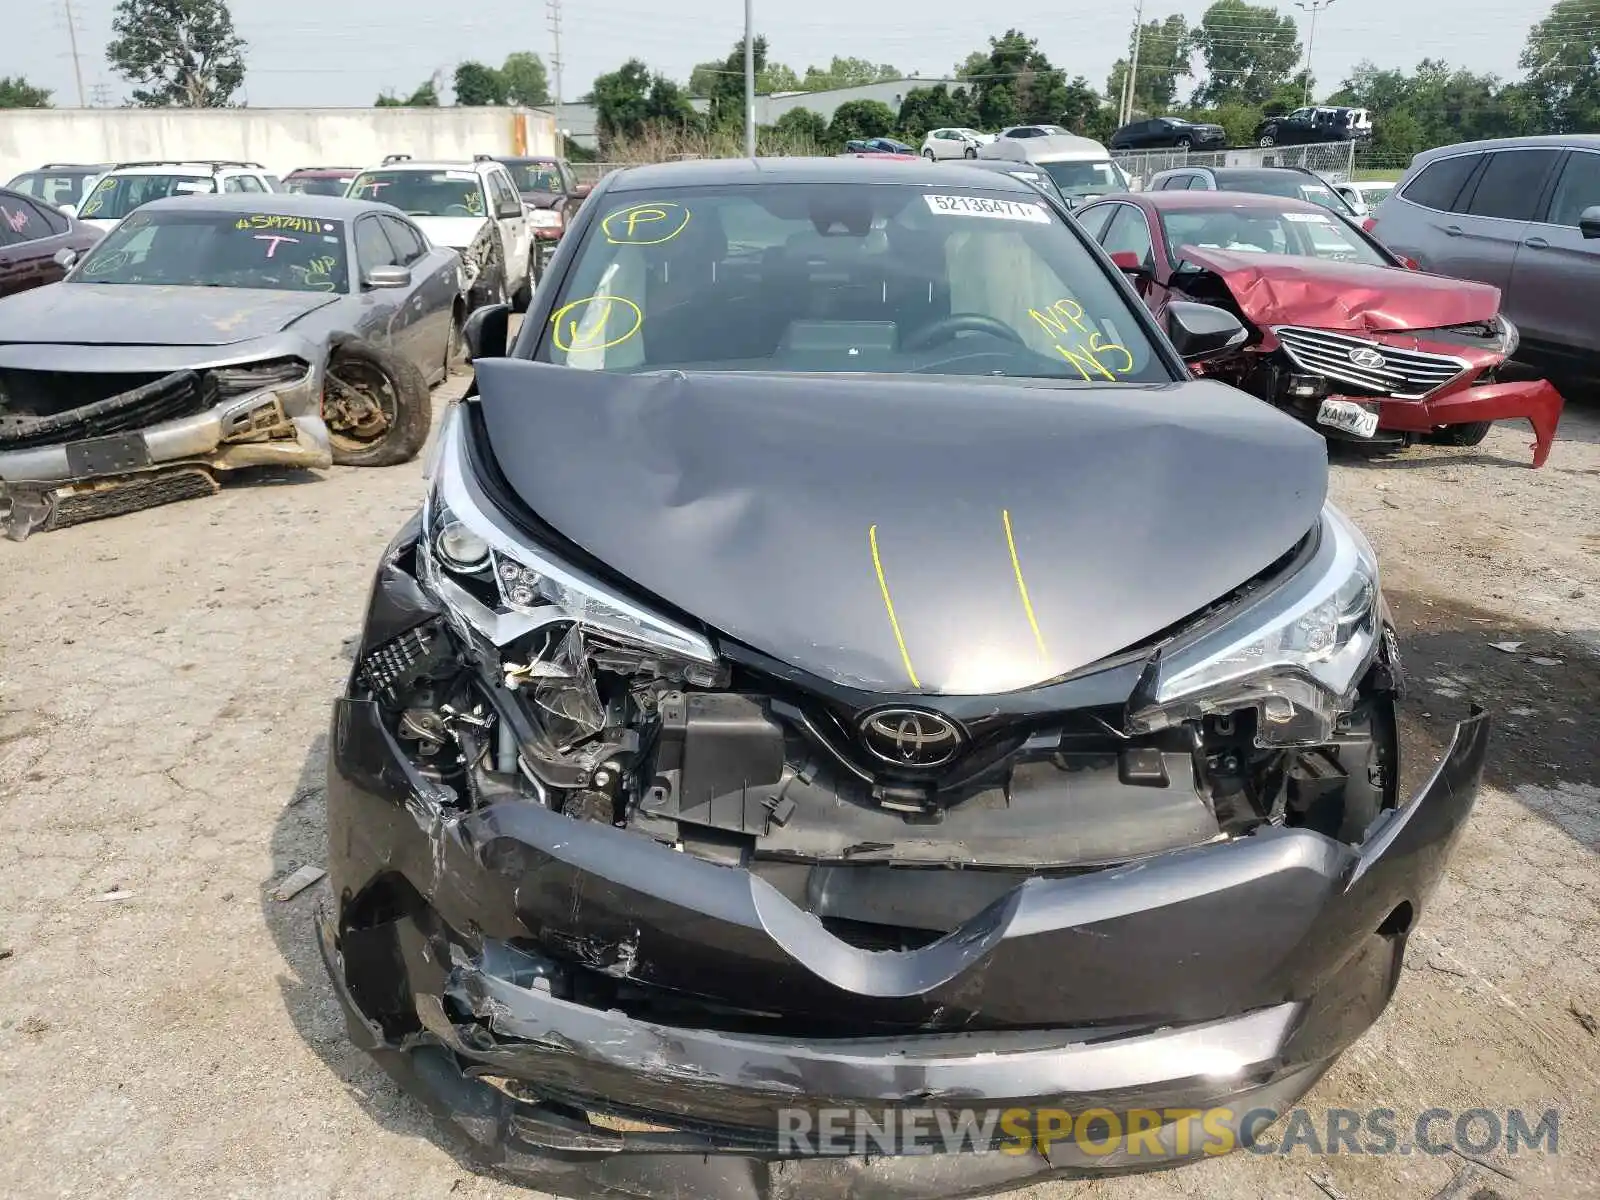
1535	400
1225	976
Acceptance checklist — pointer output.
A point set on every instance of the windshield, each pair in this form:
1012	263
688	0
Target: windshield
887	278
221	249
1086	177
1292	187
318	185
1299	233
423	193
115	196
53	187
537	177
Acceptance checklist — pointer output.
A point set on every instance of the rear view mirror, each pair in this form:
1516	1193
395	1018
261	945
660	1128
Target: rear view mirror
387	277
487	331
1203	331
1589	222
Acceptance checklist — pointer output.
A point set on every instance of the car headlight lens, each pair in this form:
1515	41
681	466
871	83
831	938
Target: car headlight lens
546	218
1297	653
510	587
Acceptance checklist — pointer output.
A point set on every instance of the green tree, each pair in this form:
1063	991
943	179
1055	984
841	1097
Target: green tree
426	96
478	86
777	77
1249	50
802	126
847	72
770	77
703	76
184	52
935	107
525	79
1015	82
1164	50
667	105
1562	61
856	119
727	86
621	100
17	92
1084	111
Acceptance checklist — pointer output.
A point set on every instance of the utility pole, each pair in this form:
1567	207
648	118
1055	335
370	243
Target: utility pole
1314	7
749	80
1126	113
72	39
555	62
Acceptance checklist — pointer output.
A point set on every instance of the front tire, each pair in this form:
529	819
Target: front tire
928	154
970	152
1183	143
376	406
1470	434
1267	141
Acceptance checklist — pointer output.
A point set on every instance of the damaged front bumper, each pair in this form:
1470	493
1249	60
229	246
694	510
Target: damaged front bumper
1221	976
101	458
1534	400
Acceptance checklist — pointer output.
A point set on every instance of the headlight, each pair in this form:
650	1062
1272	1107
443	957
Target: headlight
545	218
1297	653
509	587
1513	338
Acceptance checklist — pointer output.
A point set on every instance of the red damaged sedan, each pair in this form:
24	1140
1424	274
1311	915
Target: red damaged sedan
1344	334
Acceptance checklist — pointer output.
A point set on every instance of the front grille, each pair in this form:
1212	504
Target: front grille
1404	374
42	408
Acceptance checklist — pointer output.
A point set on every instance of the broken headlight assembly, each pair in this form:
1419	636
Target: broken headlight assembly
1297	652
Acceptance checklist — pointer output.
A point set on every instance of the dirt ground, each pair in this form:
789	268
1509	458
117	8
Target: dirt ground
164	689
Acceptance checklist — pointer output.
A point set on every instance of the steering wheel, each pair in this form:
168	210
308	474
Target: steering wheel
946	328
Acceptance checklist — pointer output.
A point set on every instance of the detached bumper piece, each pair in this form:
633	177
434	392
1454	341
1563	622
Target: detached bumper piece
156	443
559	992
1534	400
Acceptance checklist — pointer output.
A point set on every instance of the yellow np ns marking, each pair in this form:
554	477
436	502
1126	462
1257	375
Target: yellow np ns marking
1022	586
888	604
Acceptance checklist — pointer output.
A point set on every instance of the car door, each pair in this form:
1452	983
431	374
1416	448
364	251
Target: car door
422	322
1555	278
514	230
1492	215
1128	232
30	236
383	320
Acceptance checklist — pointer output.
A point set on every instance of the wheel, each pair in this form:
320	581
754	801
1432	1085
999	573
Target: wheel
1469	434
928	154
376	407
455	347
524	294
1183	143
1267	141
971	152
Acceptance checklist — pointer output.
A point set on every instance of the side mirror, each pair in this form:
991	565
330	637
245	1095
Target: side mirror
70	210
487	331
66	258
508	208
1589	222
1131	265
390	276
583	190
1203	331
1409	264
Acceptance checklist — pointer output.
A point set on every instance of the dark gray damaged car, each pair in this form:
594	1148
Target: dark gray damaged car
844	661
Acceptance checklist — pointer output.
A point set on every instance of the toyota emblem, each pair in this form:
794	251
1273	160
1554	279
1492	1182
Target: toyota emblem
1363	357
911	737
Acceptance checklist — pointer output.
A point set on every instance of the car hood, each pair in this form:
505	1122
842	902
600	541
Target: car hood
138	315
1278	289
791	511
454	232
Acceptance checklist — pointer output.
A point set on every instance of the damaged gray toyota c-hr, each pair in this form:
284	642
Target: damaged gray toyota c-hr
844	660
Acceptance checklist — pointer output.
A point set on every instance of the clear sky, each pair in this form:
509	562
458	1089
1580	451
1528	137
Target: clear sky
328	52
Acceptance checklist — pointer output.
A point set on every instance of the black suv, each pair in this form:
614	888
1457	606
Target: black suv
1323	123
1163	133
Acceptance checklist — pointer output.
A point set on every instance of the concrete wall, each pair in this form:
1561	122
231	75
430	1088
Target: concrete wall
891	92
281	139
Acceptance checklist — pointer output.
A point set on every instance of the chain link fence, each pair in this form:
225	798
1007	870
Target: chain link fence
1334	161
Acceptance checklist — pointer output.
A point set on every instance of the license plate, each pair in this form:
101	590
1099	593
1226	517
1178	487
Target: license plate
1348	416
107	455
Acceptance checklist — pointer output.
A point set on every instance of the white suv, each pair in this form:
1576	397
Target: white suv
126	186
954	143
474	208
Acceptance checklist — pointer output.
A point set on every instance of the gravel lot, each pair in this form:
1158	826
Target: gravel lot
164	689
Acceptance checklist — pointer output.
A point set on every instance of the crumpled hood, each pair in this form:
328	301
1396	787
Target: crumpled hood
455	233
112	314
791	511
1280	289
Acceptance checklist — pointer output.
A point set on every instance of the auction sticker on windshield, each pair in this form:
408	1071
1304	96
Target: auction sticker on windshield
982	206
1300	218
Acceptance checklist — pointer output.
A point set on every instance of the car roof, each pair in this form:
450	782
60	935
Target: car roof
522	160
323	171
1589	141
412	164
195	167
718	172
288	204
1191	201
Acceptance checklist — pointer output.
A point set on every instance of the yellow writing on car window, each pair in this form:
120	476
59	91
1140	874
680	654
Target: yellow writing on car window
595	323
1094	356
474	202
645	224
317	275
260	221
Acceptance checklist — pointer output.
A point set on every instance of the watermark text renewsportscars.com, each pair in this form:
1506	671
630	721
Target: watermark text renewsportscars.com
1165	1133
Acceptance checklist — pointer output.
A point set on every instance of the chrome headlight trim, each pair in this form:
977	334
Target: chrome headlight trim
567	592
